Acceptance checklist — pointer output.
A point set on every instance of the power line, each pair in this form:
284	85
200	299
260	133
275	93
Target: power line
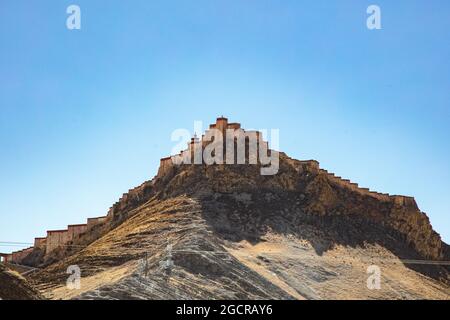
27	244
405	261
11	242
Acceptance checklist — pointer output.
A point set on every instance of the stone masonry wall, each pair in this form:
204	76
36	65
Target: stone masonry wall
75	230
167	163
55	239
399	200
91	222
40	242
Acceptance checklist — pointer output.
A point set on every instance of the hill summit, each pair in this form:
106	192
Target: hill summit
218	226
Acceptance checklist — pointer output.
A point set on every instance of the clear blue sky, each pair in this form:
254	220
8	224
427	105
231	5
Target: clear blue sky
86	115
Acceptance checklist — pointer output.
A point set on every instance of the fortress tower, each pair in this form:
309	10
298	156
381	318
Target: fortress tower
250	141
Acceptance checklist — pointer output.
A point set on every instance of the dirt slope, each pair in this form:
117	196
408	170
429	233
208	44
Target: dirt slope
15	287
226	232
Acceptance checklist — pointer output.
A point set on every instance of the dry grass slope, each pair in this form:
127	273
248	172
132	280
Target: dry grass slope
226	232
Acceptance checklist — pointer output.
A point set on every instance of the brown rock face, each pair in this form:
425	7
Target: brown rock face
302	233
15	287
316	194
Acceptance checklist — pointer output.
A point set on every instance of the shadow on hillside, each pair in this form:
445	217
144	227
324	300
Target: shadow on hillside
235	221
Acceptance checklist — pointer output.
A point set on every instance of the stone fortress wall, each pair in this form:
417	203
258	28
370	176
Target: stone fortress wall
222	125
75	230
19	255
396	199
40	242
59	238
91	222
54	239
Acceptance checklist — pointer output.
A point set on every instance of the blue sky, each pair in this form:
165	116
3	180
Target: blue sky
86	114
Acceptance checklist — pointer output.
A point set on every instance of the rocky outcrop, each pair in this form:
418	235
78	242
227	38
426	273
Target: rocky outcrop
15	287
239	245
307	209
239	203
319	194
130	200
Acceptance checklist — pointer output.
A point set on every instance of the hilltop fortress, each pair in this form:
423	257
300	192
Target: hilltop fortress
226	143
241	151
240	147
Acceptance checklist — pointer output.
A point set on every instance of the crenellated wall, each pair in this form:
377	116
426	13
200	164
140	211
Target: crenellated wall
310	165
75	230
15	255
404	201
91	222
132	198
164	166
234	125
141	194
40	242
56	239
396	199
18	256
26	252
222	124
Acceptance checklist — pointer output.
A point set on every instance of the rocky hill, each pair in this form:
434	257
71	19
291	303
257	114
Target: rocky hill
15	287
198	231
225	231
